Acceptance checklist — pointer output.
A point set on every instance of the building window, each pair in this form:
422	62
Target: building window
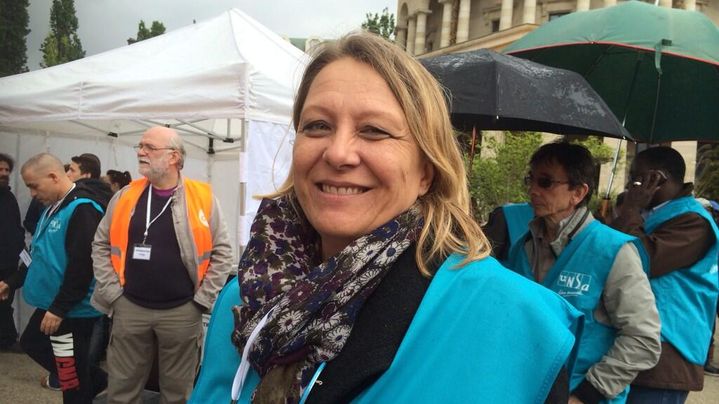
555	15
495	25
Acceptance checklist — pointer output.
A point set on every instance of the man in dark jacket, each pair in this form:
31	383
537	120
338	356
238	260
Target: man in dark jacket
680	241
11	243
86	169
60	280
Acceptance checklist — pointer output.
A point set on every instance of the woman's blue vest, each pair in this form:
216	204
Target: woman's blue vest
687	297
49	260
579	275
472	339
517	216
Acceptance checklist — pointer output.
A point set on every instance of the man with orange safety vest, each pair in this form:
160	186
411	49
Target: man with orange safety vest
161	255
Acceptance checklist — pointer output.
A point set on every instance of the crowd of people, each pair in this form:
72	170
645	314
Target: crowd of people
366	277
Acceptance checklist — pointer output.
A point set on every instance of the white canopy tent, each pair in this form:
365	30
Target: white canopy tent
226	85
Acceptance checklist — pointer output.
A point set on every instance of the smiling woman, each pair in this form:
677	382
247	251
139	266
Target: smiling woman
356	163
368	255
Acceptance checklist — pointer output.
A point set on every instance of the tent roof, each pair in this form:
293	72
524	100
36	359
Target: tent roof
226	67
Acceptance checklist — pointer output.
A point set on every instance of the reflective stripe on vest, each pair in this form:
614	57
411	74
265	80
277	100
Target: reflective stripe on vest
198	197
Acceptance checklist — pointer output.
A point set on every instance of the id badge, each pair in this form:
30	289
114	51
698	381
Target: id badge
25	257
141	252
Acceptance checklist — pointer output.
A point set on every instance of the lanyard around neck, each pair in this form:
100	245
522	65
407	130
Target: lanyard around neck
149	222
57	204
241	374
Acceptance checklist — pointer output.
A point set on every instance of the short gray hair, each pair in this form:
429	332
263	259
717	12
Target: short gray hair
177	144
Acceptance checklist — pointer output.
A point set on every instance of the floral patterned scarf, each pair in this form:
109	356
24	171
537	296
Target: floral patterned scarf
315	304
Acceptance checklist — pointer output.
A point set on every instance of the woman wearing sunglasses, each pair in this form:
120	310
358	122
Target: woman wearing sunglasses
595	268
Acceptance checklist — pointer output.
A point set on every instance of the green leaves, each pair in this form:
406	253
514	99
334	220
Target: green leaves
707	179
62	44
157	28
380	24
14	20
497	174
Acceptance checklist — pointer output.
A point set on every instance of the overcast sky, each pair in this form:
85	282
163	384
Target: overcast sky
106	24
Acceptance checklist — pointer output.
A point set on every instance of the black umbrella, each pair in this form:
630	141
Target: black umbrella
492	91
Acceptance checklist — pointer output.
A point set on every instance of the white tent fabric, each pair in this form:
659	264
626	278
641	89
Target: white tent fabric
226	84
229	66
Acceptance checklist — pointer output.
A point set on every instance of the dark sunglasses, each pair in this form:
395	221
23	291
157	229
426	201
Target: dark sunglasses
542	182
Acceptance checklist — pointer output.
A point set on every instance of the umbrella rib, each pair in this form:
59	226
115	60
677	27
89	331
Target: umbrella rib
594	65
631	88
656	106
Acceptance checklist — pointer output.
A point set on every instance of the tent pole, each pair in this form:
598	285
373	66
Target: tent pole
89	126
177	127
242	208
16	183
208	133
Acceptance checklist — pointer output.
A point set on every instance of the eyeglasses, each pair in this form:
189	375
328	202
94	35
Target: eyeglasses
150	148
542	182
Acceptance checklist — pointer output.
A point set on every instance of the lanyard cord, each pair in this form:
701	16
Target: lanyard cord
241	374
149	222
55	206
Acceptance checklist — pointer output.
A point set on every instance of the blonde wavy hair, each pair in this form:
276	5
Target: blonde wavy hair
448	223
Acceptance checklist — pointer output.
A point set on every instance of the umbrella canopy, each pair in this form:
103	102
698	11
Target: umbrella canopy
656	67
498	92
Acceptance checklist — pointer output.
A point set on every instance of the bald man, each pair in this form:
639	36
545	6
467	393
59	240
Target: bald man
161	255
59	280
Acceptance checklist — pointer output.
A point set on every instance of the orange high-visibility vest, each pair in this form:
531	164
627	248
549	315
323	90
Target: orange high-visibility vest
198	196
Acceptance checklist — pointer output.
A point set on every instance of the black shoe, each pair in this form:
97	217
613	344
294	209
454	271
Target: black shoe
711	370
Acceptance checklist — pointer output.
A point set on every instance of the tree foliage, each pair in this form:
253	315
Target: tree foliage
380	24
157	28
601	152
498	176
14	20
62	44
707	179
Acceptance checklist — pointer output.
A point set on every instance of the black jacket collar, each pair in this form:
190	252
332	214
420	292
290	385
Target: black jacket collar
377	333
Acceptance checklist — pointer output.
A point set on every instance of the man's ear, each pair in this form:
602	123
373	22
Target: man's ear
578	193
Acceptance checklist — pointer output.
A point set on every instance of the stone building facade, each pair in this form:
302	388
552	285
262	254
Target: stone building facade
436	27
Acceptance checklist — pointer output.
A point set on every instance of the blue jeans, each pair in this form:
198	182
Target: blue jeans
647	395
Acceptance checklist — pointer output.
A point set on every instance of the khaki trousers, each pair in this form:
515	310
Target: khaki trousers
137	334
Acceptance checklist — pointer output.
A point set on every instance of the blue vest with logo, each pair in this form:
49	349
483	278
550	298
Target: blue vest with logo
579	275
474	335
49	260
687	297
517	216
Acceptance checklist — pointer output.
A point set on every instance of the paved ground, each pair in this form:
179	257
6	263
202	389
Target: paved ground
20	383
